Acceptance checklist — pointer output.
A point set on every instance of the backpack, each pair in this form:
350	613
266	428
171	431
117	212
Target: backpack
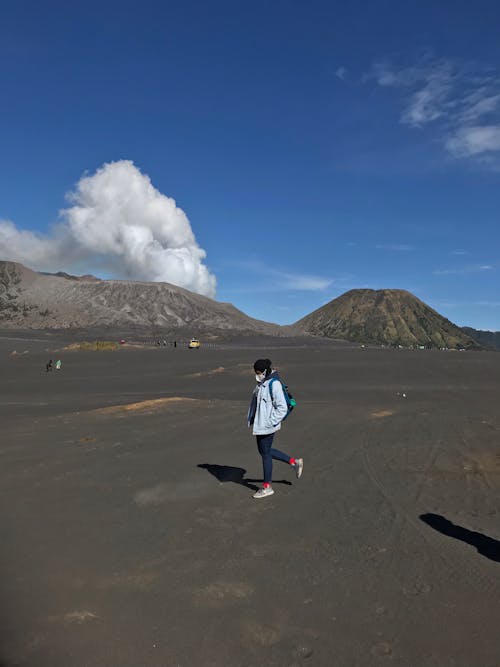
290	401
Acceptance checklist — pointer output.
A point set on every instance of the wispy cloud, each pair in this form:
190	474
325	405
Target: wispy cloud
398	247
437	303
479	103
466	269
429	102
341	73
459	252
488	304
302	282
275	280
470	141
430	85
462	100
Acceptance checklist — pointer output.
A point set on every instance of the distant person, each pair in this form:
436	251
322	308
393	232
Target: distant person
265	414
48	366
58	365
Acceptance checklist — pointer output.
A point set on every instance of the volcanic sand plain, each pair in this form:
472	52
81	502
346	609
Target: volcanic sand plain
131	539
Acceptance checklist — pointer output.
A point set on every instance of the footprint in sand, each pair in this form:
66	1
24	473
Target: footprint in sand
223	593
78	617
170	492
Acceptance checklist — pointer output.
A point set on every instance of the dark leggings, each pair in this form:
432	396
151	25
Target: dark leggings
265	444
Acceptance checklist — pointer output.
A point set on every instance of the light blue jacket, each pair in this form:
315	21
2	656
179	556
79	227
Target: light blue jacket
266	414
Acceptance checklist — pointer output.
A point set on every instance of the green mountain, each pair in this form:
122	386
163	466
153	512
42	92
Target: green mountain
385	317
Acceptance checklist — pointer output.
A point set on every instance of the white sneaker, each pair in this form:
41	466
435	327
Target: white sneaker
299	467
265	491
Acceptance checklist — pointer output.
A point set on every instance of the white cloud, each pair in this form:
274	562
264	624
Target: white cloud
394	246
470	141
479	103
303	282
119	221
460	304
428	103
341	73
463	270
299	282
275	280
431	82
35	250
462	101
386	74
489	304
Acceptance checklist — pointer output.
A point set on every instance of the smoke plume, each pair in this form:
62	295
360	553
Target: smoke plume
119	222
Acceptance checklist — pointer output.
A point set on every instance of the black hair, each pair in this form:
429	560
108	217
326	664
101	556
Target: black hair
263	365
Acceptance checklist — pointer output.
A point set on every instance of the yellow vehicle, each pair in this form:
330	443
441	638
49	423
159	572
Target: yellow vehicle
194	344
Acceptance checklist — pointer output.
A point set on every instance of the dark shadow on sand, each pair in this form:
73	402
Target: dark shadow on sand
235	475
486	546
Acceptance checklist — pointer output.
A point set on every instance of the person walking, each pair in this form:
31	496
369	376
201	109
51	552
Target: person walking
267	410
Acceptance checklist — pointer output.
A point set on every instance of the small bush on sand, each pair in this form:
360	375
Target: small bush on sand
99	345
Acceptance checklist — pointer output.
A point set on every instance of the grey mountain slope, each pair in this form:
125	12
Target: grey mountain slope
43	301
33	300
490	339
388	317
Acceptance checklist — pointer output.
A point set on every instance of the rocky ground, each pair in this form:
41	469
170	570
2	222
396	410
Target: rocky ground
130	537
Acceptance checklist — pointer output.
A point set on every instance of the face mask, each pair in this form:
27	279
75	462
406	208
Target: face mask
260	377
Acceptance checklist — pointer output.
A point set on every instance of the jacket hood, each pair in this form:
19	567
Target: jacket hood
274	375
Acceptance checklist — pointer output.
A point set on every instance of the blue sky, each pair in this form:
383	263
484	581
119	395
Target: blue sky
314	147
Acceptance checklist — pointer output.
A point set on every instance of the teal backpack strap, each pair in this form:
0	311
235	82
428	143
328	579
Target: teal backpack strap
271	387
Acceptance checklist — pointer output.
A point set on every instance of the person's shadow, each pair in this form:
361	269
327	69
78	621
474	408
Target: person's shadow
486	546
235	475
